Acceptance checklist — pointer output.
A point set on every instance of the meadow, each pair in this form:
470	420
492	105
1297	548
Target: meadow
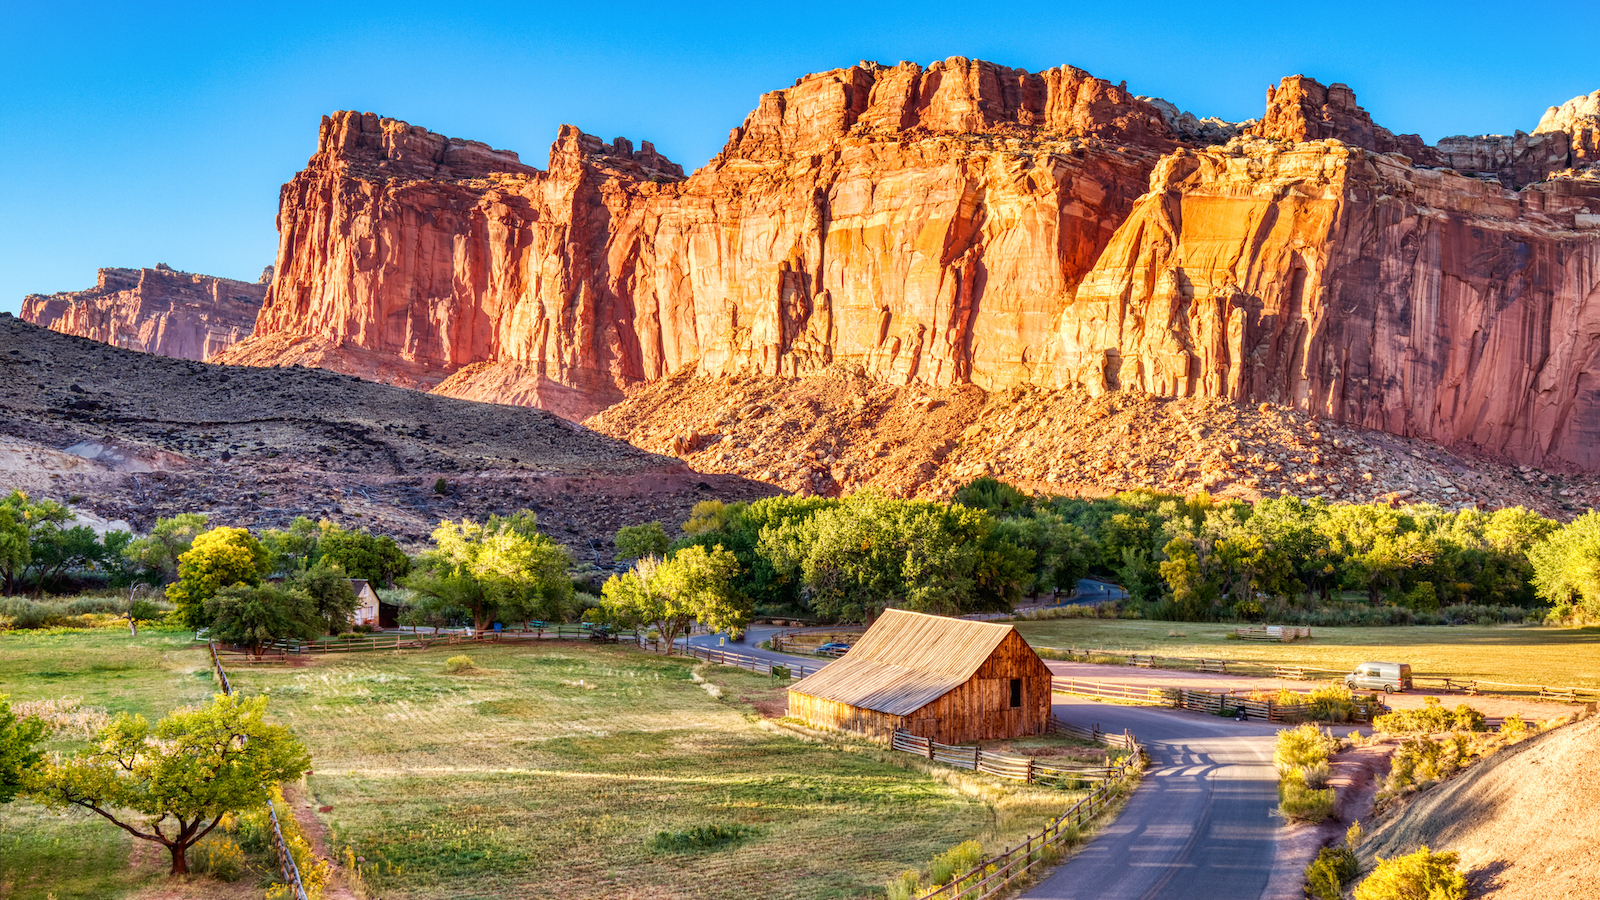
1516	654
556	770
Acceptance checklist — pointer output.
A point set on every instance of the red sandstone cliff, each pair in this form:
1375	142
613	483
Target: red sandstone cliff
968	223
159	310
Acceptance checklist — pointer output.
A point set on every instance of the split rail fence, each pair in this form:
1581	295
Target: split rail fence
1471	687
286	864
753	663
995	875
278	651
1365	707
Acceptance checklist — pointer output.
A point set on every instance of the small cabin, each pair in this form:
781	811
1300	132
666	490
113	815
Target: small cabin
367	604
951	680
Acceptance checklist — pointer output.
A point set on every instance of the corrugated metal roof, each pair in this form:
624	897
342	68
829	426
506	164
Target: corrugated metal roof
905	661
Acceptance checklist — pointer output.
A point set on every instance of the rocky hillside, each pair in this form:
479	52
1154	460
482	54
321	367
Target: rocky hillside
159	310
967	223
130	437
1523	820
839	431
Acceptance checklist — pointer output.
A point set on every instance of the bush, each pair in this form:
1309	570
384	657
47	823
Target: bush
701	838
1316	776
1432	718
220	858
1423	875
1332	703
1301	803
1513	727
455	665
1301	747
905	886
958	860
1333	868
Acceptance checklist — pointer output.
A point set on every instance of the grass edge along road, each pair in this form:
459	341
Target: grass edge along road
512	779
1515	654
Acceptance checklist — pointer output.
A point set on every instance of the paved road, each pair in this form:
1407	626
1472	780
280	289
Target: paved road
750	647
1199	827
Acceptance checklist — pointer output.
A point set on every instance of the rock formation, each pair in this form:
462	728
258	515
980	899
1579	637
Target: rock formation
159	310
966	223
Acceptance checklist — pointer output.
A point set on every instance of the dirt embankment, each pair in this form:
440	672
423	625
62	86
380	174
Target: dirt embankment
1524	820
134	437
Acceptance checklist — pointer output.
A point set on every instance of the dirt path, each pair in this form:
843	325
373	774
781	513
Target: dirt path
316	831
1493	707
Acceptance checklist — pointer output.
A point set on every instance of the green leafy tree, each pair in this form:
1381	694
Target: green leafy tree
1566	567
17	753
173	783
738	527
256	615
362	554
670	595
639	541
994	497
332	596
293	549
167	541
1378	546
57	550
503	567
219	558
26	527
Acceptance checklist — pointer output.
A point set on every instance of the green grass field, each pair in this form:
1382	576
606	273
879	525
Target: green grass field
547	771
1517	654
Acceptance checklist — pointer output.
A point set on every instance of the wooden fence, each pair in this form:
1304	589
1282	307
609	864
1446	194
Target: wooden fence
1001	765
1296	672
784	641
1271	708
995	875
753	663
1283	633
286	864
279	651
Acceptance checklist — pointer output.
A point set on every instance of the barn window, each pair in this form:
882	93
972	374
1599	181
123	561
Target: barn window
1016	692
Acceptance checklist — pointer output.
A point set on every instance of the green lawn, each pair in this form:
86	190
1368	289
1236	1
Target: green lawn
1519	654
545	772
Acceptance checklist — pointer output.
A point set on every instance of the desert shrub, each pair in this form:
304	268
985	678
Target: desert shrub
1300	802
701	838
455	665
955	861
1513	727
1432	718
1305	746
905	886
1317	776
1423	875
1333	868
1332	703
219	857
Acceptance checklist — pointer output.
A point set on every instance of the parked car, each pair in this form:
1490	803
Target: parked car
1380	676
834	648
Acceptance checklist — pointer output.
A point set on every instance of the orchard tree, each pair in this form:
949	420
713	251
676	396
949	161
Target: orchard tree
173	783
256	615
504	567
219	558
17	756
332	596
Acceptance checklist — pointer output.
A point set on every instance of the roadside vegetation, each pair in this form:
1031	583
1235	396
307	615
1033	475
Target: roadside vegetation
1301	758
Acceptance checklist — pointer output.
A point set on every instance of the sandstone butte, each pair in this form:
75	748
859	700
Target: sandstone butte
159	310
966	223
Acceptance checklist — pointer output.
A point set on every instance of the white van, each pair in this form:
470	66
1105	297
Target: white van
1385	676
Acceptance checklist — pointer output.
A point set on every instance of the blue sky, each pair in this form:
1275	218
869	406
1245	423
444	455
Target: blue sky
145	133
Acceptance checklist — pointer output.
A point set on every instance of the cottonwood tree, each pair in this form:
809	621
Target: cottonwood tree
333	598
503	567
172	783
168	540
639	541
219	558
24	524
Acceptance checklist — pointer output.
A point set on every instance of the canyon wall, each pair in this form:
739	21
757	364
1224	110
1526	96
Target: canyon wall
966	223
159	310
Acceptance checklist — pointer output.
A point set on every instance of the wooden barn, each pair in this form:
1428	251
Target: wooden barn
951	680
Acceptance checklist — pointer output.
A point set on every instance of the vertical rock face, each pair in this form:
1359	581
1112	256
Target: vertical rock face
1567	138
967	223
157	310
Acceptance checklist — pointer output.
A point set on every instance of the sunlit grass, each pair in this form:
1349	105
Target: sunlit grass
1513	654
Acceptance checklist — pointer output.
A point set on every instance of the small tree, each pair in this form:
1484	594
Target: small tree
174	782
331	595
639	541
222	557
17	756
255	615
502	567
669	595
24	525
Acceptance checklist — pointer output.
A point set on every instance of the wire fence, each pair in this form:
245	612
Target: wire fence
286	863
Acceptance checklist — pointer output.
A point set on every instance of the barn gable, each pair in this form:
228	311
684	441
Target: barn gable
950	679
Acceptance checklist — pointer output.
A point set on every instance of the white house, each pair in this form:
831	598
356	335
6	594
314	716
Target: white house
366	603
